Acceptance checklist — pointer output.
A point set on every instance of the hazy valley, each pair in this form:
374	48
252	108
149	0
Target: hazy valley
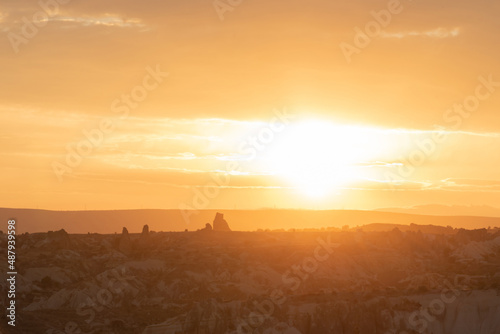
371	279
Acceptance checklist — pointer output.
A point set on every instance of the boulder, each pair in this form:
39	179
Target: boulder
220	224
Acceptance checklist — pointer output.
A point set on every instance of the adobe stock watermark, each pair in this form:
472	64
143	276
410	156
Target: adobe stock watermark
420	319
113	288
250	148
31	27
372	29
292	279
223	6
93	138
453	118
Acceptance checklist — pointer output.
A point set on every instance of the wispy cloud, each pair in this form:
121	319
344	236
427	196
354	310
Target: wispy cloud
371	164
471	184
437	131
107	20
434	33
450	184
69	20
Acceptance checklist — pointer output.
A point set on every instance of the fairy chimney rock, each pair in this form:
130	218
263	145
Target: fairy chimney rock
220	224
124	244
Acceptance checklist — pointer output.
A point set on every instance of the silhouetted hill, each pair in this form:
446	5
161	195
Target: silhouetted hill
34	220
431	229
447	210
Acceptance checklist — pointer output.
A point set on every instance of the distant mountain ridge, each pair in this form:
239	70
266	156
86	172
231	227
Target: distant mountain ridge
447	210
112	221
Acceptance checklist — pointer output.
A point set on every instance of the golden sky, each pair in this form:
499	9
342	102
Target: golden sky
261	106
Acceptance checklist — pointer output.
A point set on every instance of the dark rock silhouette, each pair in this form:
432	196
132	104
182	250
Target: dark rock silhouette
207	228
58	239
145	230
144	240
124	244
220	224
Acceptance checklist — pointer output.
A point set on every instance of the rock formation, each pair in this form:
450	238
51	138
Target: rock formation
124	244
56	239
220	224
207	228
395	281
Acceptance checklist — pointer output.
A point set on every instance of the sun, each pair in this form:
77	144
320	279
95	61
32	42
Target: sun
316	157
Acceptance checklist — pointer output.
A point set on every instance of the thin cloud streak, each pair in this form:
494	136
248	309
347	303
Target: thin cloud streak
108	21
435	33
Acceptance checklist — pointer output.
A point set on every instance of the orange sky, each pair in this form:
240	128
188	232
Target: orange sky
264	104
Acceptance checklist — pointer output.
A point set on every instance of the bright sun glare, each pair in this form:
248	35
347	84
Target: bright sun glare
317	157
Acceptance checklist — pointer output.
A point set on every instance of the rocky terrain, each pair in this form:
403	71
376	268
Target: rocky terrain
385	279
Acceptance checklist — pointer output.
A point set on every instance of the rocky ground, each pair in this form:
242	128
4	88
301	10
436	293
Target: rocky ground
212	281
